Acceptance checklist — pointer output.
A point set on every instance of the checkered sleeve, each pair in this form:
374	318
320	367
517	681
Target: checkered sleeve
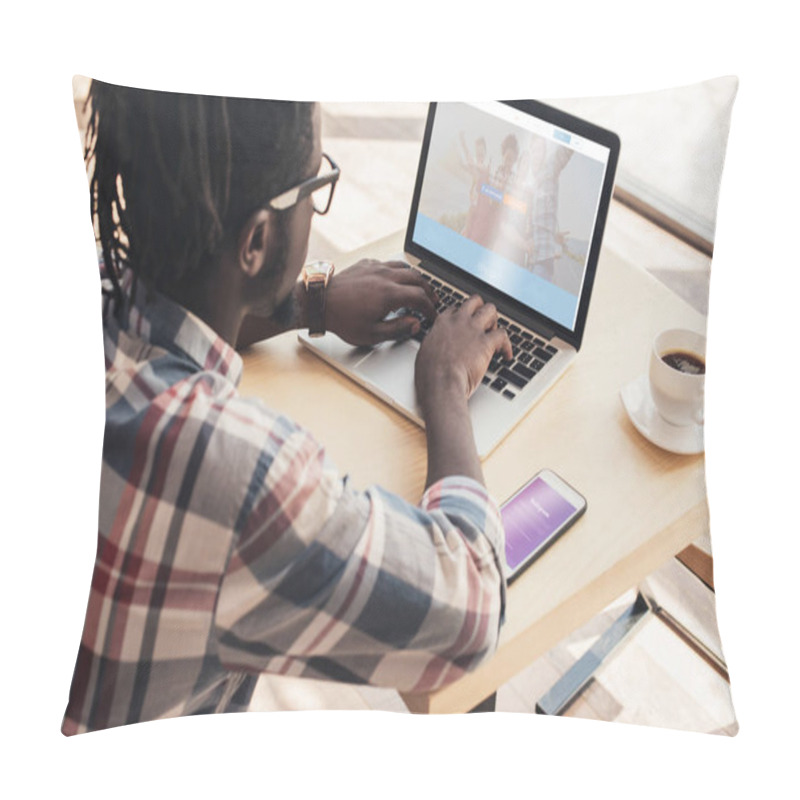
325	581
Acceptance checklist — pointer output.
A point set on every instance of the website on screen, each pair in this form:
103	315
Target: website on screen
512	200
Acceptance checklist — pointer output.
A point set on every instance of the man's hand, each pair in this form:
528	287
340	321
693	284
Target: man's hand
360	297
456	352
450	365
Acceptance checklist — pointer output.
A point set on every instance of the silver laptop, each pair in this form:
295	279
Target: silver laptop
510	203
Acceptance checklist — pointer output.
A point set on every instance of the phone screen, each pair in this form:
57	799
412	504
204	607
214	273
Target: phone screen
531	517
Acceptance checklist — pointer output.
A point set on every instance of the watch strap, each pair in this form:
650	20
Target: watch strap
315	307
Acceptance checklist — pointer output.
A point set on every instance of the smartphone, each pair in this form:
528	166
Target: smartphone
535	516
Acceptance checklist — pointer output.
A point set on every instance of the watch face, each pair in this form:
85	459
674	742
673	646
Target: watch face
323	268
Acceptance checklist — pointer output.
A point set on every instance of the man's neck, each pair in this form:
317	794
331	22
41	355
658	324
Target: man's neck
216	303
223	320
291	314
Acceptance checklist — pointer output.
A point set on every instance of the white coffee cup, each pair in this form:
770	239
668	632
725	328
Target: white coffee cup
677	385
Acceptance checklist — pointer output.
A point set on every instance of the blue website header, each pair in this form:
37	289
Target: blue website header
519	283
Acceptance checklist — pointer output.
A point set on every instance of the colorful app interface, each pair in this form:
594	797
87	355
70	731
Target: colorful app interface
531	518
513	201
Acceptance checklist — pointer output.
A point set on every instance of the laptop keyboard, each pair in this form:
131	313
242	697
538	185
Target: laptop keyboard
530	351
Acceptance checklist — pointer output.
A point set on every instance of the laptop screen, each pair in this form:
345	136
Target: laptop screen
513	199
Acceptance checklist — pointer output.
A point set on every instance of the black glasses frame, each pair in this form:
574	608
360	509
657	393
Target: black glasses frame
291	197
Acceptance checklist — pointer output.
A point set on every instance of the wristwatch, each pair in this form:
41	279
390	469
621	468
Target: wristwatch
315	278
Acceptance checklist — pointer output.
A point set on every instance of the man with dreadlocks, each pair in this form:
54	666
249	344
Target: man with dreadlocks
228	544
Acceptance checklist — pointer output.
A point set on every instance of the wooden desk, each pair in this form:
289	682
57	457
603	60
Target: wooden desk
644	504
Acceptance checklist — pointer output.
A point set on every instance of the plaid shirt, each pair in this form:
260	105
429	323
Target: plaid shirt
228	545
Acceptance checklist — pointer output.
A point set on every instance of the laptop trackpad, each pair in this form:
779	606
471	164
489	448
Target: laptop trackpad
390	369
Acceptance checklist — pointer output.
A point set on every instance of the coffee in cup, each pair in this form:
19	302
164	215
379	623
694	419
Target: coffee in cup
677	376
684	361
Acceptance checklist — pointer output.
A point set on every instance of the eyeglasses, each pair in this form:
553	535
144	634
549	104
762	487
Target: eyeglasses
320	188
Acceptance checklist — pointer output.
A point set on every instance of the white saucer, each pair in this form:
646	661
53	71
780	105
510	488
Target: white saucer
683	439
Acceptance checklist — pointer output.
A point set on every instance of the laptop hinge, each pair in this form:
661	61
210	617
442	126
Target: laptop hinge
542	330
538	326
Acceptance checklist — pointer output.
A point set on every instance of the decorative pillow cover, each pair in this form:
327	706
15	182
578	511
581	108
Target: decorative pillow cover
232	555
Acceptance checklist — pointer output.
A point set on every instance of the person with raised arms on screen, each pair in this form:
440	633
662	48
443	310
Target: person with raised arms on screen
228	543
479	213
546	241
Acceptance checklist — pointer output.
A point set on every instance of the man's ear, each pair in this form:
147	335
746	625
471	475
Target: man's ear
256	242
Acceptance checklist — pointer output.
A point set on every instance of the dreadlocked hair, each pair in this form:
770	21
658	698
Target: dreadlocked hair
174	176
